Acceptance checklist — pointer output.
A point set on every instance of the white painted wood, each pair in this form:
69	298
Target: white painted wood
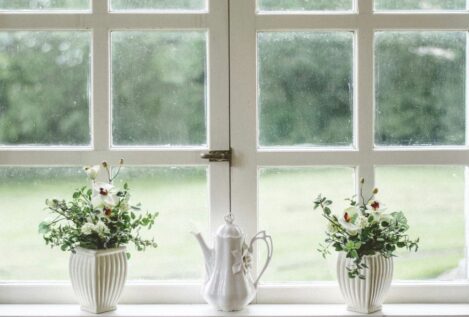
244	23
243	116
160	292
218	109
101	22
365	99
364	156
434	310
444	21
111	20
100	82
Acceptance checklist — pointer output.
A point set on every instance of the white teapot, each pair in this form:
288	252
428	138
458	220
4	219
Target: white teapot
229	285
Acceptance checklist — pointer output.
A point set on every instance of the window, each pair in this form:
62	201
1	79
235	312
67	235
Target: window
310	95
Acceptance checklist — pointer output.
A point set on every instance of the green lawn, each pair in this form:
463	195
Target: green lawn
431	197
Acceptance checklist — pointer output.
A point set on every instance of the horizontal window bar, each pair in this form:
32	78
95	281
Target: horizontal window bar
376	21
355	158
132	157
111	21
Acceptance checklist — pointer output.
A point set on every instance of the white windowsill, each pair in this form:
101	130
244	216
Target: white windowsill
398	310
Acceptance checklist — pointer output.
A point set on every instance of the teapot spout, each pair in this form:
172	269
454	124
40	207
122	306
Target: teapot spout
207	252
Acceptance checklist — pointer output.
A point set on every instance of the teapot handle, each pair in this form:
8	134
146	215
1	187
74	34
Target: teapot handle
261	235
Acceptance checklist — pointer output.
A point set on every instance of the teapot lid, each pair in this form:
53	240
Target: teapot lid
229	230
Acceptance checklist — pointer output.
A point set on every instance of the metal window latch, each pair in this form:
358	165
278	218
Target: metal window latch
217	156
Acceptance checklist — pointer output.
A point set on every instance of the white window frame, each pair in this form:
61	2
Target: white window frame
364	155
232	59
100	21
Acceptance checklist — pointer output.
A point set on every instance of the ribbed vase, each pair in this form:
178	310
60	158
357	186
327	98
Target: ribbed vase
98	277
365	296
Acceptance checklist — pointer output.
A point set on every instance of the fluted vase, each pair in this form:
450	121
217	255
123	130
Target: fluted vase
365	295
98	277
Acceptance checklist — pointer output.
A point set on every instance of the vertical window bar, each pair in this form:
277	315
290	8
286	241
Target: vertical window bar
100	83
365	99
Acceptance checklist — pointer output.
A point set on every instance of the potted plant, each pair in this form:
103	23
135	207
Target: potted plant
96	225
366	237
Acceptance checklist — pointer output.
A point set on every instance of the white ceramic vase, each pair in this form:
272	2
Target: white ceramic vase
98	277
365	296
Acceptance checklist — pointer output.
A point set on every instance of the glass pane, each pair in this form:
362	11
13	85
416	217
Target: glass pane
420	88
159	88
432	198
23	192
44	88
305	5
427	5
305	89
44	5
286	212
137	5
179	194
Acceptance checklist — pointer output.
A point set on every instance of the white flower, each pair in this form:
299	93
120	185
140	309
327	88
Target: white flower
351	220
101	228
351	228
385	217
92	171
363	222
103	195
87	228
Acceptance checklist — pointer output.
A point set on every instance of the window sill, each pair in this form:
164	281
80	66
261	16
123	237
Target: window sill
391	310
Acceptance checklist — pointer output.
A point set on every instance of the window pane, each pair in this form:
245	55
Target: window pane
305	88
44	88
179	194
428	5
159	88
23	192
432	198
420	88
305	5
286	212
158	4
44	4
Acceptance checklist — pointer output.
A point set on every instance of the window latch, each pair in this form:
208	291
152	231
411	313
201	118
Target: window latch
217	156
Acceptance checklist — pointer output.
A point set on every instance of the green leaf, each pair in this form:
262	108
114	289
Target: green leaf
44	227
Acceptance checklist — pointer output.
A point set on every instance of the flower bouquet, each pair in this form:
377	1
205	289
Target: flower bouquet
367	236
96	225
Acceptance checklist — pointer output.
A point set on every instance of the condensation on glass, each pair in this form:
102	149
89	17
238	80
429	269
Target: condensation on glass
432	198
286	213
159	88
304	5
44	5
421	5
179	194
145	5
45	88
305	89
420	88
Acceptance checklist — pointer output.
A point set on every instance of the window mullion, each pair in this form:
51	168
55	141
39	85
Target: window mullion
101	105
364	100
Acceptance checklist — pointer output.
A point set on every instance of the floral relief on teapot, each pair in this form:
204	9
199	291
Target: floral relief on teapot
229	285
